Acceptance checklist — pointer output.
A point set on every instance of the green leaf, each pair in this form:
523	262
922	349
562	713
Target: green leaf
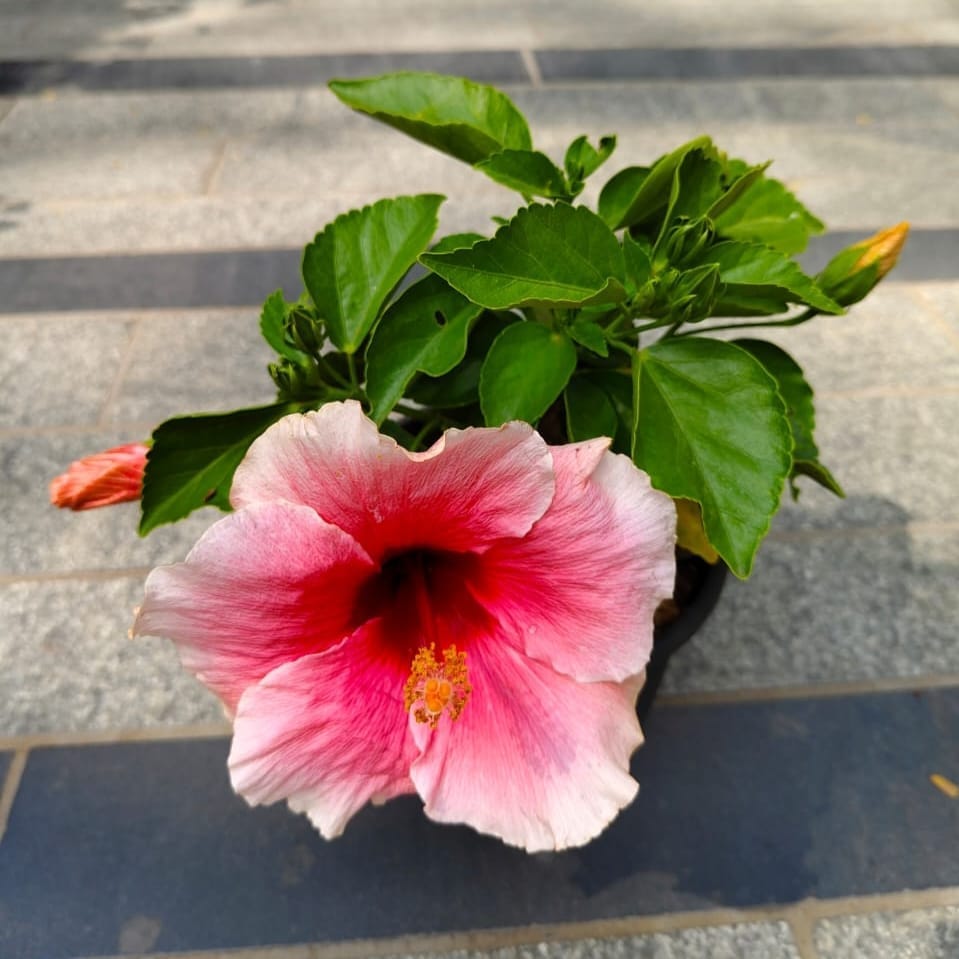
618	387
750	270
425	330
545	256
639	266
697	185
528	171
272	319
583	159
460	387
351	267
467	120
456	241
710	426
192	460
768	213
589	411
743	177
636	196
798	397
588	333
526	369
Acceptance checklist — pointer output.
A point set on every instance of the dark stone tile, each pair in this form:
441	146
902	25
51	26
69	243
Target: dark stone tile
18	77
741	805
5	760
246	277
732	63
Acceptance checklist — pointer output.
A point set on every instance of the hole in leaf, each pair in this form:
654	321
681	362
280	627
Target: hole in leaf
440	318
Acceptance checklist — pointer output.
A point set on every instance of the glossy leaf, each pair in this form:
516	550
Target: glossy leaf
589	411
272	320
460	387
588	333
798	397
528	171
456	241
618	387
639	267
351	267
768	213
709	426
192	460
526	369
583	159
697	185
545	256
425	330
632	198
470	121
750	270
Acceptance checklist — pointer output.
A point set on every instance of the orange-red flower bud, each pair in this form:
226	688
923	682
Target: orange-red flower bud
113	476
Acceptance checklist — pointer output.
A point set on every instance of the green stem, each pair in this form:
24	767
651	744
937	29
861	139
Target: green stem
424	431
792	321
330	372
351	366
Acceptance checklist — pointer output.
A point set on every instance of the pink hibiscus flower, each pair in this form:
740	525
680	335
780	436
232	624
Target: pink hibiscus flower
102	479
470	623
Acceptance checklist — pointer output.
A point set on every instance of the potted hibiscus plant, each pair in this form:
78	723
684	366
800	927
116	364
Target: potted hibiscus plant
448	538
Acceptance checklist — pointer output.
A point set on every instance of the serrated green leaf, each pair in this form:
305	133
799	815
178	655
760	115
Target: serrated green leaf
639	265
526	369
800	410
272	319
469	121
750	270
588	333
425	331
740	181
589	411
545	256
632	197
583	159
697	185
192	460
768	213
528	171
460	387
351	267
456	241
710	426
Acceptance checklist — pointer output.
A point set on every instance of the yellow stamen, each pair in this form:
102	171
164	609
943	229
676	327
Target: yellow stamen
434	688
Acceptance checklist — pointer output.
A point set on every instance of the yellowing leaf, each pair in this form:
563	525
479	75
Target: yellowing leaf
689	530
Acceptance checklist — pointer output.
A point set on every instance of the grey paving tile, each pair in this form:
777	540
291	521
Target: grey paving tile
41	539
178	28
226	72
125	151
893	339
57	370
943	302
831	609
917	934
68	664
223	222
760	940
194	362
894	455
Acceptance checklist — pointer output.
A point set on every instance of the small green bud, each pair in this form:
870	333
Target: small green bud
852	273
305	331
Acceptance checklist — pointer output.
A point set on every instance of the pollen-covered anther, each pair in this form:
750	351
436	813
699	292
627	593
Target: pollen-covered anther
434	688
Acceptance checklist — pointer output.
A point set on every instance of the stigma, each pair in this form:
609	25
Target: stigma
434	687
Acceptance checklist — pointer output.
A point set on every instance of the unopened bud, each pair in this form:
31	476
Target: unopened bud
852	273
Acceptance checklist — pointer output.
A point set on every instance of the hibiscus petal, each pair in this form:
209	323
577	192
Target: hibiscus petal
536	758
327	732
264	585
579	592
470	489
